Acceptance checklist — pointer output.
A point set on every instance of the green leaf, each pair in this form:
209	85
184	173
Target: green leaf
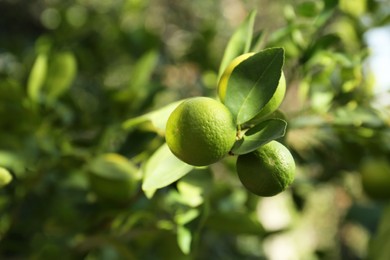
37	77
195	186
358	116
162	169
259	135
184	239
253	82
191	195
322	43
140	77
258	41
183	218
143	70
61	73
239	43
157	119
308	9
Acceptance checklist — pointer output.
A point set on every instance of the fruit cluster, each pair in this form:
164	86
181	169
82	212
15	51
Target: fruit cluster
202	130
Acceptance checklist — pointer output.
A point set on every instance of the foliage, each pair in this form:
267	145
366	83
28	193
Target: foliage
81	80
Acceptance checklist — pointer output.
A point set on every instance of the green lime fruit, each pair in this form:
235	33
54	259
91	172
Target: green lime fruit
267	171
272	105
113	178
375	178
5	177
200	131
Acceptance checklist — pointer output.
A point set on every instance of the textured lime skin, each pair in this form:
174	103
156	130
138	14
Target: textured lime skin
267	171
200	131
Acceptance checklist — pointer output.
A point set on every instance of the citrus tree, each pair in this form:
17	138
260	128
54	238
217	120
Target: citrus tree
131	131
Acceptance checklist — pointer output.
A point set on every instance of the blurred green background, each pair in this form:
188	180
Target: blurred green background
72	72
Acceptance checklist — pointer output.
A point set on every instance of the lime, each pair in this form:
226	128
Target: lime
113	178
267	171
375	173
200	131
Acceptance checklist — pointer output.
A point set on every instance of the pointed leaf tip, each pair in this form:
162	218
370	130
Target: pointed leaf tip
239	43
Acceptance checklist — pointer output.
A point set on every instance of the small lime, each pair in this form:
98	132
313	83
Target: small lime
267	171
200	131
113	178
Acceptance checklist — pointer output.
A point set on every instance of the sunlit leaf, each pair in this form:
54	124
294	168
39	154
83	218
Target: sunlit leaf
184	239
239	43
194	186
37	77
258	41
190	194
259	135
253	82
187	216
158	119
162	169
